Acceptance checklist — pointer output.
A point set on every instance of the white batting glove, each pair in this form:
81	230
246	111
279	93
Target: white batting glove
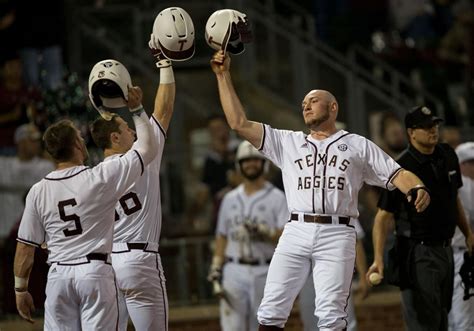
160	60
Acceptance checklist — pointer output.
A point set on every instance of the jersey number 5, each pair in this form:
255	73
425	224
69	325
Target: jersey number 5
68	218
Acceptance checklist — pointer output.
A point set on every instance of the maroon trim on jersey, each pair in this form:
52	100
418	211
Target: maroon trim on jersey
263	138
323	190
77	173
392	175
27	242
314	169
141	161
159	126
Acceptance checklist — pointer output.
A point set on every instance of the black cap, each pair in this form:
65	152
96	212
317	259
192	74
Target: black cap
421	117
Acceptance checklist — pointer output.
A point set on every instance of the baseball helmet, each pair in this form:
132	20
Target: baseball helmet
174	29
228	30
109	81
245	150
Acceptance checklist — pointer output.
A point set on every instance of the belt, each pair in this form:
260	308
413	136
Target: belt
86	259
127	247
433	242
248	261
321	219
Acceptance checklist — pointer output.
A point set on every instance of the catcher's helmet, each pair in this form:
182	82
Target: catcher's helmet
174	29
109	81
228	30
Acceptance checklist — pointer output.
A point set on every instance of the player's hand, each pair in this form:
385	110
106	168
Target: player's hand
24	305
220	62
135	96
215	274
377	267
421	198
160	60
363	288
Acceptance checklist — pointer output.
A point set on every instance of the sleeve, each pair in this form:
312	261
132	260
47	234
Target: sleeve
222	227
282	212
272	145
379	168
160	135
31	231
390	201
121	172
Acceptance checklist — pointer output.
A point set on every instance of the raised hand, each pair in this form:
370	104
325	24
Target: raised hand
220	62
160	60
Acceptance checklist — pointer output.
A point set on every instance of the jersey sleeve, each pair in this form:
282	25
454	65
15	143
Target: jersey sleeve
380	168
31	231
282	212
121	172
222	226
159	134
272	144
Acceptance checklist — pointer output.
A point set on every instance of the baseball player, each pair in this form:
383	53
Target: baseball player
250	221
72	211
307	295
461	315
322	174
135	256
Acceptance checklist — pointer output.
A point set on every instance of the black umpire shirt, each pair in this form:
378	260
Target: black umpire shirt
441	175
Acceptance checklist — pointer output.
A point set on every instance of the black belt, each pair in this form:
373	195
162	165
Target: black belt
97	257
141	246
320	219
248	261
433	242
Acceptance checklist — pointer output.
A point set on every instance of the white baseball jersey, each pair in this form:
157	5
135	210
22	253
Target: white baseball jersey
16	178
72	210
138	211
267	206
466	195
324	177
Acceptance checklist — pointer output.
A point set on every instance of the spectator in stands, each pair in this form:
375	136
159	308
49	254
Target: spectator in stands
19	173
393	138
41	27
218	175
15	102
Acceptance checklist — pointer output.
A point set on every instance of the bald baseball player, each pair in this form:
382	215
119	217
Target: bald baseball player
72	211
323	171
135	256
250	221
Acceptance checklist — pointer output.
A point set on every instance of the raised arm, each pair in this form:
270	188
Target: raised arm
22	266
145	145
166	92
233	109
412	186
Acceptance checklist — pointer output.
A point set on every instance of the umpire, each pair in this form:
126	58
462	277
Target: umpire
421	261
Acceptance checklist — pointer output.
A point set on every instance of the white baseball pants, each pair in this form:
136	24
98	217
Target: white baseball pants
243	286
461	316
81	297
142	290
330	249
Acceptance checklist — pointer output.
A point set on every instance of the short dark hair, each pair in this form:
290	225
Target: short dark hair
59	140
101	130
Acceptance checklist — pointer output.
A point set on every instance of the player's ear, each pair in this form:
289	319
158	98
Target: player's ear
114	138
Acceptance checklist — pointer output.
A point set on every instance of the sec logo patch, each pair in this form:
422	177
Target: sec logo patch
342	147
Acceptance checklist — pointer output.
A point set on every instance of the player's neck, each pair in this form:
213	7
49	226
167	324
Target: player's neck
68	164
112	151
323	133
250	187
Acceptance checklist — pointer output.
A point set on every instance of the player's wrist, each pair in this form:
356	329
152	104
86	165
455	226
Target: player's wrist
166	73
21	284
137	111
217	262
